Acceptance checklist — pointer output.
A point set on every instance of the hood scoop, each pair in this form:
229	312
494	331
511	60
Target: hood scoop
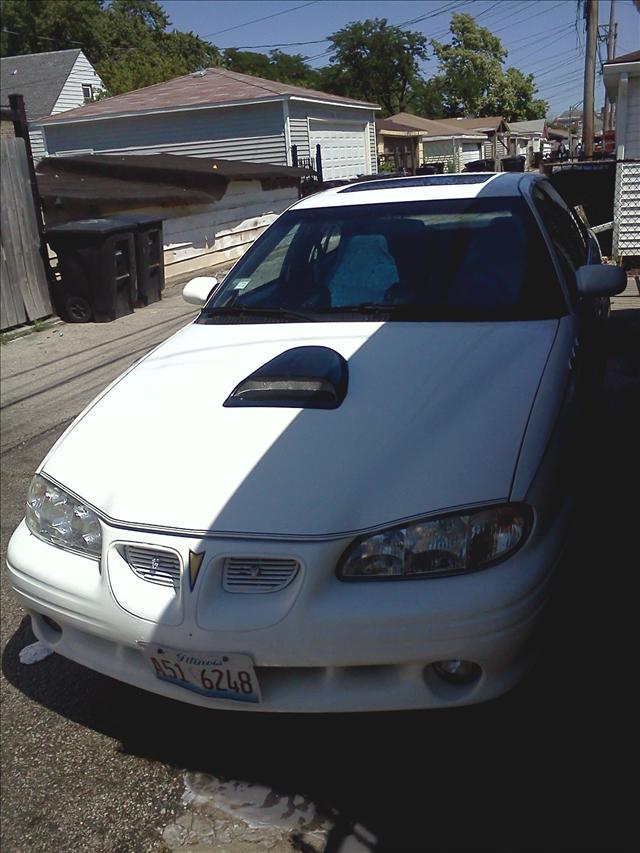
301	378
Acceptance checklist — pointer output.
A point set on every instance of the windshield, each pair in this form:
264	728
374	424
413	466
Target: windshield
460	259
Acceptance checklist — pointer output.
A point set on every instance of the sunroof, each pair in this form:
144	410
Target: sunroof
418	181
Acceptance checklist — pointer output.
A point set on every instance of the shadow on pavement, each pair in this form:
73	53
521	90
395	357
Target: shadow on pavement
544	768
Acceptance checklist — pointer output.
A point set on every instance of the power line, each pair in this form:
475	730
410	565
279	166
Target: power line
521	41
433	14
541	75
257	20
539	50
575	78
279	44
40	38
521	8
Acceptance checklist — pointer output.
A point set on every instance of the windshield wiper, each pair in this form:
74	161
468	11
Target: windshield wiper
375	308
420	312
255	311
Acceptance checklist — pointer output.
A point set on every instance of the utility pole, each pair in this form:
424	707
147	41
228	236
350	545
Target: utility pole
591	14
612	33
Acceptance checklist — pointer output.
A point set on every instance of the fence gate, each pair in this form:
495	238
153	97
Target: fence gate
24	291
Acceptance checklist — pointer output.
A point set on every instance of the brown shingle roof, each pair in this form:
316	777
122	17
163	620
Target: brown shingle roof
426	126
634	56
483	123
211	87
386	124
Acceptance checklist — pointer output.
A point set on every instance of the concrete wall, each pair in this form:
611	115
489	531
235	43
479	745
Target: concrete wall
220	233
204	237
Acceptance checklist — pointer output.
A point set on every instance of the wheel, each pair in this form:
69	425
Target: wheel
77	309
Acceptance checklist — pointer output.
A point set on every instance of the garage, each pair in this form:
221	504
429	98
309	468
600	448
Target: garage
470	151
344	147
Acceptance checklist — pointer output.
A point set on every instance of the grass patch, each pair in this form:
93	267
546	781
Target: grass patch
22	331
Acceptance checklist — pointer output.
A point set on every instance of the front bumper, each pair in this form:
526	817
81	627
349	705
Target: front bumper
318	645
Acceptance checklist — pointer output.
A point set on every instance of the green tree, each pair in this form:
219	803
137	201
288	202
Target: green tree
135	48
276	65
426	98
36	26
291	68
512	96
247	62
469	65
375	62
127	41
472	80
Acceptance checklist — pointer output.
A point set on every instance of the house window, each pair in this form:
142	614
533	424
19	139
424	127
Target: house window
87	92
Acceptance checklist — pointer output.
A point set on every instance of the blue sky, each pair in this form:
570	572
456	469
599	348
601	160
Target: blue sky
543	37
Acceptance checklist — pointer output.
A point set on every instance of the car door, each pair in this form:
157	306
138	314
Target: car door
573	250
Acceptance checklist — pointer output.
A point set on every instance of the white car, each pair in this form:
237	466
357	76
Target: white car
344	486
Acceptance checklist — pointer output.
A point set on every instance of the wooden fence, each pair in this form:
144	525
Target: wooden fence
24	291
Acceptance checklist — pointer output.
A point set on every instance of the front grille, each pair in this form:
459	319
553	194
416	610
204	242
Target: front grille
153	565
258	574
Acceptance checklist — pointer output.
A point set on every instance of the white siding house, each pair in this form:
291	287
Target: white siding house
219	113
622	81
80	87
233	133
50	83
435	141
347	138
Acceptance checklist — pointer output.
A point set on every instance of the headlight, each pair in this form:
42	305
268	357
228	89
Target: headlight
56	517
449	545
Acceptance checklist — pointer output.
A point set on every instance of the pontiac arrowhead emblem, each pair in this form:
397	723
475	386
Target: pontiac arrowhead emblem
195	562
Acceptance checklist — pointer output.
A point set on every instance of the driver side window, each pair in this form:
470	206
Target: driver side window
564	232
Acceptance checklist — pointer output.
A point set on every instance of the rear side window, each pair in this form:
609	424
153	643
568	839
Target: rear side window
453	259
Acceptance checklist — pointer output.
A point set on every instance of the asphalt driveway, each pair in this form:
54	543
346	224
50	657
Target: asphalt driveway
89	764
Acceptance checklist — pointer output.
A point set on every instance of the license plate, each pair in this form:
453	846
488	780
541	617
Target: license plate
215	674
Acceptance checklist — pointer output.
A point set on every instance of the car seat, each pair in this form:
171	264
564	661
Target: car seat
364	270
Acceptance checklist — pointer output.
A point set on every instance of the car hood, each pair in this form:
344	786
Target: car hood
433	418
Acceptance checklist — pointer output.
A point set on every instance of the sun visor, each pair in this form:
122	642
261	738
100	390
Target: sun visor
300	378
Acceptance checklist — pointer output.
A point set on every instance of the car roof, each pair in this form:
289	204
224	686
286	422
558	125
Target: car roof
422	188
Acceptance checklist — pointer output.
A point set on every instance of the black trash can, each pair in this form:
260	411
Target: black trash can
149	242
97	265
430	169
513	164
487	165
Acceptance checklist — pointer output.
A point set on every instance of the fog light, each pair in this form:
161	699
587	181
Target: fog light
457	671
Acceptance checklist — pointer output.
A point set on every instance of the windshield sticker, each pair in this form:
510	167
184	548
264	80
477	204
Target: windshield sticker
241	284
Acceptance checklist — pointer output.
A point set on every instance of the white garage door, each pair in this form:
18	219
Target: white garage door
470	151
344	148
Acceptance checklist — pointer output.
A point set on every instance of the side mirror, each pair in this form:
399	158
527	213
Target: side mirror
600	280
196	291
